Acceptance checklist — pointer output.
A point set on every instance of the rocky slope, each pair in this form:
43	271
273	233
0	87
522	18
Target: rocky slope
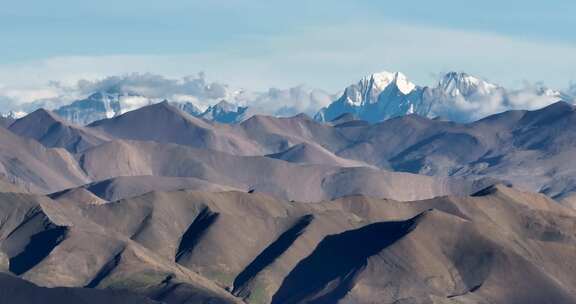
229	247
158	206
530	149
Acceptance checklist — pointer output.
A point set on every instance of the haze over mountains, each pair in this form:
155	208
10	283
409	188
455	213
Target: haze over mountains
377	97
165	203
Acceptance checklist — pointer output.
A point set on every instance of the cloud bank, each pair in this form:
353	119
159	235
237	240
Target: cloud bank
136	90
139	89
471	108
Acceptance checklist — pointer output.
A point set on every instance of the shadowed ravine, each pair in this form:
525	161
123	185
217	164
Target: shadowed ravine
39	247
105	270
194	232
32	240
270	254
338	258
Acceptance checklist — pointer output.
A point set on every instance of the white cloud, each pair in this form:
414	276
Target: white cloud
531	97
130	103
289	102
155	86
465	109
137	90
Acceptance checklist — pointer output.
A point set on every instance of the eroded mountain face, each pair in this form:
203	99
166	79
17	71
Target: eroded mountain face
305	160
159	206
233	247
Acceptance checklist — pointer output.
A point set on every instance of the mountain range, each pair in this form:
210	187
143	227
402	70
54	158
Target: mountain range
497	246
457	97
165	203
529	149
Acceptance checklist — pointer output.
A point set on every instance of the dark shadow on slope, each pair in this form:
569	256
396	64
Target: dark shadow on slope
195	231
548	115
417	146
101	188
142	226
269	255
492	189
337	261
187	293
105	270
15	290
471	290
39	247
459	147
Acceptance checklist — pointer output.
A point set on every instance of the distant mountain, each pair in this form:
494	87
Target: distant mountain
26	163
282	179
171	125
308	153
13	115
112	96
257	135
464	98
377	97
501	146
103	105
457	97
187	107
225	112
95	107
52	131
5	121
461	84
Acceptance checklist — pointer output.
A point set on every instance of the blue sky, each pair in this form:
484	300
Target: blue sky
258	44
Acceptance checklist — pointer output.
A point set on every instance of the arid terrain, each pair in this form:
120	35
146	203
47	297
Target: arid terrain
158	206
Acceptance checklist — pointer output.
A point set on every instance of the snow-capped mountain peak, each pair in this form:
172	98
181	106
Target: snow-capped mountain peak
544	91
224	105
382	80
403	84
375	97
225	112
379	81
461	84
14	114
457	96
97	106
367	90
108	101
